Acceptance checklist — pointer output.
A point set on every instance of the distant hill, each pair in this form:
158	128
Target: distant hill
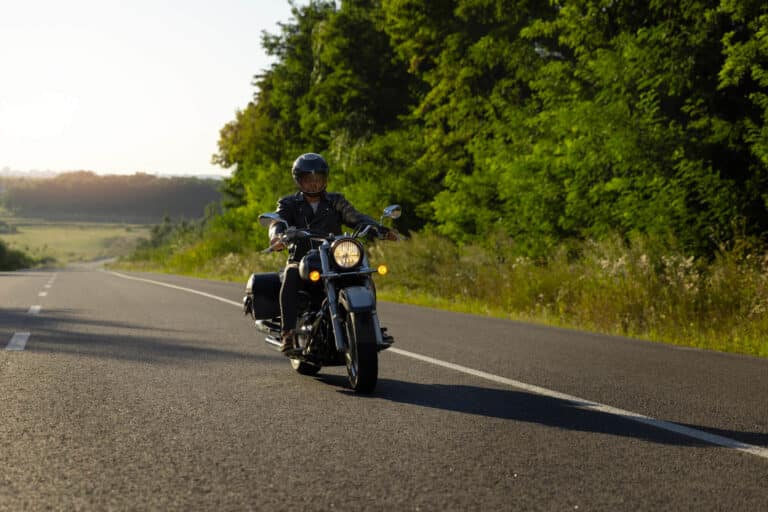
84	195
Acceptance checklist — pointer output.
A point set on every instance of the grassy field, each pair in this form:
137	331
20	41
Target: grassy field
55	243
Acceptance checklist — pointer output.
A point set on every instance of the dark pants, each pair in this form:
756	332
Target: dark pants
289	298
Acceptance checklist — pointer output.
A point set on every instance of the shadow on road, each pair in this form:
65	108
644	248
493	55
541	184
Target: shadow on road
65	331
531	408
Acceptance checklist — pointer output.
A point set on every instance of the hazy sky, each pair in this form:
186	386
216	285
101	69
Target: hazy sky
123	86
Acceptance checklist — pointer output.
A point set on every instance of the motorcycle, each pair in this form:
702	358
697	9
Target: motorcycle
337	320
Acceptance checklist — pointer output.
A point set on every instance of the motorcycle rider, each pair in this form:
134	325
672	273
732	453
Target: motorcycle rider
310	208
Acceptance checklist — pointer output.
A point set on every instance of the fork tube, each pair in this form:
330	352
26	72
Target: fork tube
330	292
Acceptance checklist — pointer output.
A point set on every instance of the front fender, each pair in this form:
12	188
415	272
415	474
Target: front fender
357	299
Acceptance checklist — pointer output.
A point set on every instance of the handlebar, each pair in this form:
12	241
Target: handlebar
293	234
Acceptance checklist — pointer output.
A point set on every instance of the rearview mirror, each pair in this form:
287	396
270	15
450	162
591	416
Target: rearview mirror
393	211
266	219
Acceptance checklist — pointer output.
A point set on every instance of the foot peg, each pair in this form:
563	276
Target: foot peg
386	339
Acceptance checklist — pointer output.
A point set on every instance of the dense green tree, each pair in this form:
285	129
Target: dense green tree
261	141
642	134
744	81
541	120
617	122
336	85
358	87
477	70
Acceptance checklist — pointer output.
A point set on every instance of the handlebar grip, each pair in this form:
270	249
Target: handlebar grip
380	232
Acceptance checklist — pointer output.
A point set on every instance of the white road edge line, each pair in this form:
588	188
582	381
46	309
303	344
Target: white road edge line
189	290
18	341
580	403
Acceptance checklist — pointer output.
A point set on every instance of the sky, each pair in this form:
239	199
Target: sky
126	86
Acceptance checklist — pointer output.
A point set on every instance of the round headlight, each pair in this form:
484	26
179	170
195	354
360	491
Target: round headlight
347	253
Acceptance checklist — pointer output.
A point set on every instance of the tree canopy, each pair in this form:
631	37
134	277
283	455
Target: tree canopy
539	120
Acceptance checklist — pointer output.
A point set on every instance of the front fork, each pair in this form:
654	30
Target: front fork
333	309
330	293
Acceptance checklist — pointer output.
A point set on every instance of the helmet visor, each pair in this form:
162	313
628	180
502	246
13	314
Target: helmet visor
312	183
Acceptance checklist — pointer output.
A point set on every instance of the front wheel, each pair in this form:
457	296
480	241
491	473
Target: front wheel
362	358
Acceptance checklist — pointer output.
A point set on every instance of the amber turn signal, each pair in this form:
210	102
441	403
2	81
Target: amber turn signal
382	270
314	276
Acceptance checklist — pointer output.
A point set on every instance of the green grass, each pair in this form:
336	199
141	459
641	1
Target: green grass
638	289
631	289
70	242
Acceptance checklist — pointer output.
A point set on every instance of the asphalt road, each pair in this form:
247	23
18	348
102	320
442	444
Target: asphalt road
122	394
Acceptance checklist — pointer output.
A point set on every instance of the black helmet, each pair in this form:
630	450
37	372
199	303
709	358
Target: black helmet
310	164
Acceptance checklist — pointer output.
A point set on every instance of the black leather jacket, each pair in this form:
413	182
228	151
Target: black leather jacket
333	211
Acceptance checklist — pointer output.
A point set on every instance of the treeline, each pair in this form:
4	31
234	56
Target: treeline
536	121
87	196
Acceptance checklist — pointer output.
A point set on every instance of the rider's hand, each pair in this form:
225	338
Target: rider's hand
385	233
276	244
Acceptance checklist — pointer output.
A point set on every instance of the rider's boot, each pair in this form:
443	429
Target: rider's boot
288	342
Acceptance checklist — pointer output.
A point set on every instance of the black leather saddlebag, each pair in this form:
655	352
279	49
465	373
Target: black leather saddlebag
264	291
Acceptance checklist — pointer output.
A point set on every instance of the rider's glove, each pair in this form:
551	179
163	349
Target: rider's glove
276	244
277	228
383	232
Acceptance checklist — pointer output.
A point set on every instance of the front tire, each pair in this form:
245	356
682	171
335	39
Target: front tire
362	357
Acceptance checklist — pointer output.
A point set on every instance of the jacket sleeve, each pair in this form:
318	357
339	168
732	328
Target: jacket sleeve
349	215
286	212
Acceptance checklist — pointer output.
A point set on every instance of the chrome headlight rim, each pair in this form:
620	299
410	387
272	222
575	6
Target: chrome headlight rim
347	253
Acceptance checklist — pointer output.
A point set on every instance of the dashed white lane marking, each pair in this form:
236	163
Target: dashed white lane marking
33	310
48	285
42	294
577	402
18	341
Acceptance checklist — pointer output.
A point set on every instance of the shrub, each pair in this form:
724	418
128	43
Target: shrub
11	259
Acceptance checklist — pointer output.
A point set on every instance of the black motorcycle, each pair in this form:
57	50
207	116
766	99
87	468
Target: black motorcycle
337	320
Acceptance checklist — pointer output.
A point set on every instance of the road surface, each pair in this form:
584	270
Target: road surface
117	392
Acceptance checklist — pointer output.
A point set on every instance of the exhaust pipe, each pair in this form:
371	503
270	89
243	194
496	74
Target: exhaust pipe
268	327
272	331
273	342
